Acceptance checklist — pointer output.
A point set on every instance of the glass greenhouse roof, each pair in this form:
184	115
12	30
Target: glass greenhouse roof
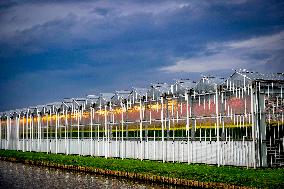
154	92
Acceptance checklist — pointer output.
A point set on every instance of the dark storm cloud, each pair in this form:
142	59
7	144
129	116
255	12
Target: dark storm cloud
53	49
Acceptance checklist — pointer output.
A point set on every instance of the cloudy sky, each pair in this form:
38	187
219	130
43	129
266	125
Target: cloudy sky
50	50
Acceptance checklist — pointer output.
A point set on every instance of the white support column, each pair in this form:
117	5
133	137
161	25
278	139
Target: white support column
217	125
98	130
31	136
38	131
141	139
91	116
253	125
65	131
109	133
10	133
56	125
98	134
106	134
15	132
163	137
116	142
122	122
23	133
27	132
18	132
69	133
33	133
147	136
1	147
47	134
79	142
72	126
261	137
7	133
78	131
187	125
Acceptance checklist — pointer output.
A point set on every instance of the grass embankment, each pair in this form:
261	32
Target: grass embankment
262	178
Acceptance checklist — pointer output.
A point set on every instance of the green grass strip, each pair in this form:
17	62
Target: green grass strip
260	177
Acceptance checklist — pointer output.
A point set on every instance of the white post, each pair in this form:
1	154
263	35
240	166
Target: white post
110	129
47	139
141	140
16	125
18	132
13	132
56	124
122	121
217	125
38	132
147	139
65	131
253	126
106	130
91	132
31	135
27	131
187	125
116	142
78	131
162	121
0	132
98	134
7	133
23	136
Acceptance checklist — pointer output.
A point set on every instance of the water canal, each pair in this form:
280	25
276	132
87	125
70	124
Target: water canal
17	175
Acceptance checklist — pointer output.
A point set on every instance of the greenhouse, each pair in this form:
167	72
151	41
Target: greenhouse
224	121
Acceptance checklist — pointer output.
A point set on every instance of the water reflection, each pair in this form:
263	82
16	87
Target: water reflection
17	175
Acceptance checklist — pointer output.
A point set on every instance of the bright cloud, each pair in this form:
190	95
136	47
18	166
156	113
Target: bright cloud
250	53
269	42
25	16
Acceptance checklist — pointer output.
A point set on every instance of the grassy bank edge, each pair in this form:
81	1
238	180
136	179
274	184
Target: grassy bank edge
199	175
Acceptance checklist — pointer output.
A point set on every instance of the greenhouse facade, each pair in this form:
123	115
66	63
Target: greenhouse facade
224	121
